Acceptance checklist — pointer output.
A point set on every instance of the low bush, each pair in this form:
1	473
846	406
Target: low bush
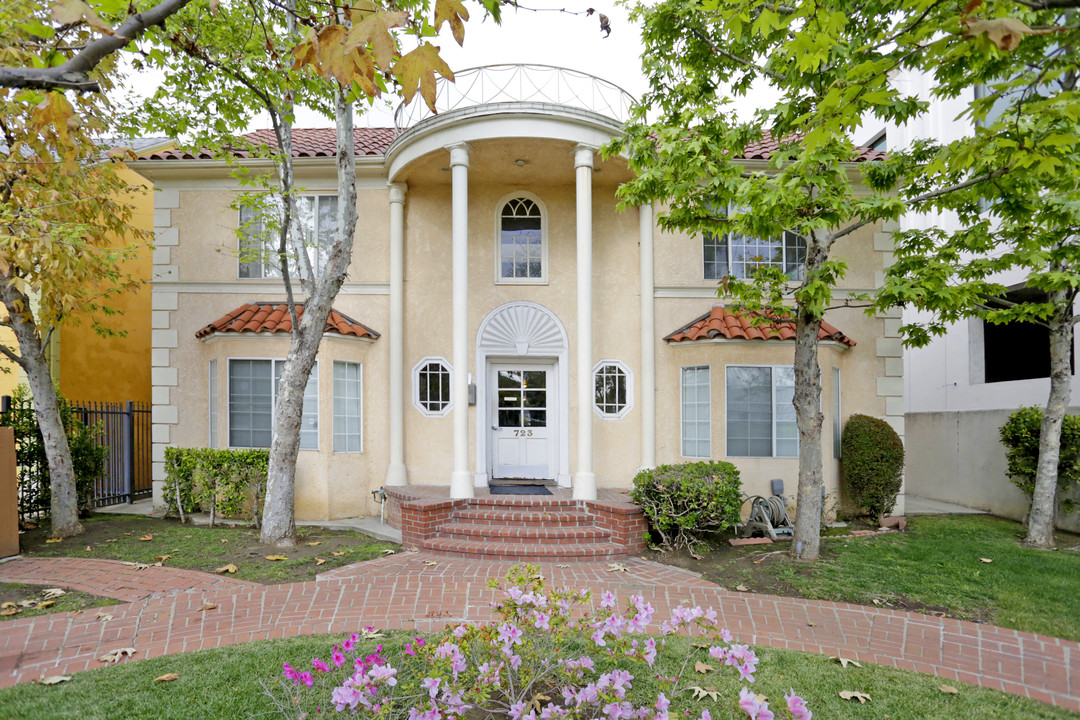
684	503
1020	436
87	455
224	483
872	463
550	656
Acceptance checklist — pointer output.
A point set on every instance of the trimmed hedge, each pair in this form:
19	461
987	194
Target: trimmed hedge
1020	436
224	483
872	462
684	503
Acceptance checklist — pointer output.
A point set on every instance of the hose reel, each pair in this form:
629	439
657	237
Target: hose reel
768	516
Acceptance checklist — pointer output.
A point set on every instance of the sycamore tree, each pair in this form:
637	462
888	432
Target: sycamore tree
1019	215
64	214
224	64
828	63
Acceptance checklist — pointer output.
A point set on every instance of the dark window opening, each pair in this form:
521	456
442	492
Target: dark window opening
1018	350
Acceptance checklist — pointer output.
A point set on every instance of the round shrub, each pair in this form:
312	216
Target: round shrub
686	502
1020	436
872	461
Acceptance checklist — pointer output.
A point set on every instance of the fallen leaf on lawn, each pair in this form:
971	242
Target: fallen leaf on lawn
163	558
7	604
52	679
741	588
114	656
370	634
10	611
703	667
46	604
810	624
949	689
104	617
313	544
338	553
142	566
412	548
985	560
855	695
275	558
167	677
111	540
127	533
877	602
55	540
388	551
320	561
230	568
700	693
28	603
89	549
617	567
224	540
844	662
147	537
431	563
208	606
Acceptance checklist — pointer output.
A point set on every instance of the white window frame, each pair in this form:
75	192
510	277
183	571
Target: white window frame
359	408
269	245
628	376
273	401
772	410
212	409
838	417
543	279
682	408
424	362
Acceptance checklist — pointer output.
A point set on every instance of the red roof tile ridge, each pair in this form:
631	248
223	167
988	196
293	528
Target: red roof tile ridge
733	323
273	317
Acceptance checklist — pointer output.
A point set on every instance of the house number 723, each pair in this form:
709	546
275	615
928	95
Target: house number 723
523	433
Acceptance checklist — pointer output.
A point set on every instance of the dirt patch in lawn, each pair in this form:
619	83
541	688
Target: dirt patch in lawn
150	540
31	600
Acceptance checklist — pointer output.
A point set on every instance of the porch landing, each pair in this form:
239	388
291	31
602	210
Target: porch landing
530	528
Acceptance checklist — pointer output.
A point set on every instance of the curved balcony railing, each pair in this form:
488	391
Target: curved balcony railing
520	84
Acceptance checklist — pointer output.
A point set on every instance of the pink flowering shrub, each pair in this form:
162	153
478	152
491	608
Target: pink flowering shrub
550	655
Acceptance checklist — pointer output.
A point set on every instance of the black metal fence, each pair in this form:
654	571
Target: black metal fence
125	431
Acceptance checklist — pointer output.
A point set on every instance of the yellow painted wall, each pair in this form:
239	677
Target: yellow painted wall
115	368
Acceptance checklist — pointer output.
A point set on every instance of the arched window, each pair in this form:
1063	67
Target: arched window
522	252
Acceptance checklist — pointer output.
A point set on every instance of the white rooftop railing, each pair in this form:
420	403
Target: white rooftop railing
520	84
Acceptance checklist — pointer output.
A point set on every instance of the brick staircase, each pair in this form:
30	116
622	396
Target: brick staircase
518	528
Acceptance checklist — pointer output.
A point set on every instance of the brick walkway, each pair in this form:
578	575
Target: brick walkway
162	616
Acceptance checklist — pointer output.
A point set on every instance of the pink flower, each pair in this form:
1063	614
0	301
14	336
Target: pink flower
350	643
338	657
725	635
756	709
306	678
431	685
320	665
345	697
797	707
288	672
705	715
607	599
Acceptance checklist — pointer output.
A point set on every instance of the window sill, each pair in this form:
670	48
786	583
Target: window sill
523	281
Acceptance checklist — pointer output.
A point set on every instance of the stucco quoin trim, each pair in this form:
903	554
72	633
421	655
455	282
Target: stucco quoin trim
522	331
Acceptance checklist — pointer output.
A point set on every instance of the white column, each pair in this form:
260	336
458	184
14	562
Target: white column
395	471
648	339
584	478
461	480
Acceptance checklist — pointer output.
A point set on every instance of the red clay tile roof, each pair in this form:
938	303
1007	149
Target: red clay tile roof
274	318
733	324
768	144
307	142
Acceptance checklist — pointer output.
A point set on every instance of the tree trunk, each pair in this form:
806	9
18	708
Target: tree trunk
279	526
1043	500
806	541
64	500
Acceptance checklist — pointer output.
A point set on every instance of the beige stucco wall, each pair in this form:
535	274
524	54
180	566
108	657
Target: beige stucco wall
197	283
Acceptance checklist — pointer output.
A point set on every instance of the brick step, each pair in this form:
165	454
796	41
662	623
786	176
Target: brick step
532	503
523	533
507	516
521	552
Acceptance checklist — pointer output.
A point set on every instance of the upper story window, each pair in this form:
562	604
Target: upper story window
522	251
739	255
317	218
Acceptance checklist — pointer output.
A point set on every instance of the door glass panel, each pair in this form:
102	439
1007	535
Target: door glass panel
509	398
509	418
535	379
535	398
536	418
509	379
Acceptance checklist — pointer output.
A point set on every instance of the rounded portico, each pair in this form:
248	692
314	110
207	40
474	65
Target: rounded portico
500	182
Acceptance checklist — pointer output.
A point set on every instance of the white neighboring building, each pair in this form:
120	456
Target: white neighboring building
963	386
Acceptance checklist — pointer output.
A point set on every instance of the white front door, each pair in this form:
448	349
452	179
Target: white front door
523	427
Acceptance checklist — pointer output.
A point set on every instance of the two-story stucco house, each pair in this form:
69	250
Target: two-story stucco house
502	319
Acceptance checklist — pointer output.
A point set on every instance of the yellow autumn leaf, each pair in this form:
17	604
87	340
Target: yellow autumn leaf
147	537
453	12
320	561
69	12
230	568
374	31
338	553
275	558
167	677
55	540
703	667
415	71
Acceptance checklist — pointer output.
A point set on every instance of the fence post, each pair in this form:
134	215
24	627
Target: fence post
129	450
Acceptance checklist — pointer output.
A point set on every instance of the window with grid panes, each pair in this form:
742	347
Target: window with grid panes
696	407
521	241
348	386
317	219
431	386
611	389
760	413
252	396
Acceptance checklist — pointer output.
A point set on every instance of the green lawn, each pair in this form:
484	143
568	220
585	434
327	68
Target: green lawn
147	540
70	601
938	563
228	683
